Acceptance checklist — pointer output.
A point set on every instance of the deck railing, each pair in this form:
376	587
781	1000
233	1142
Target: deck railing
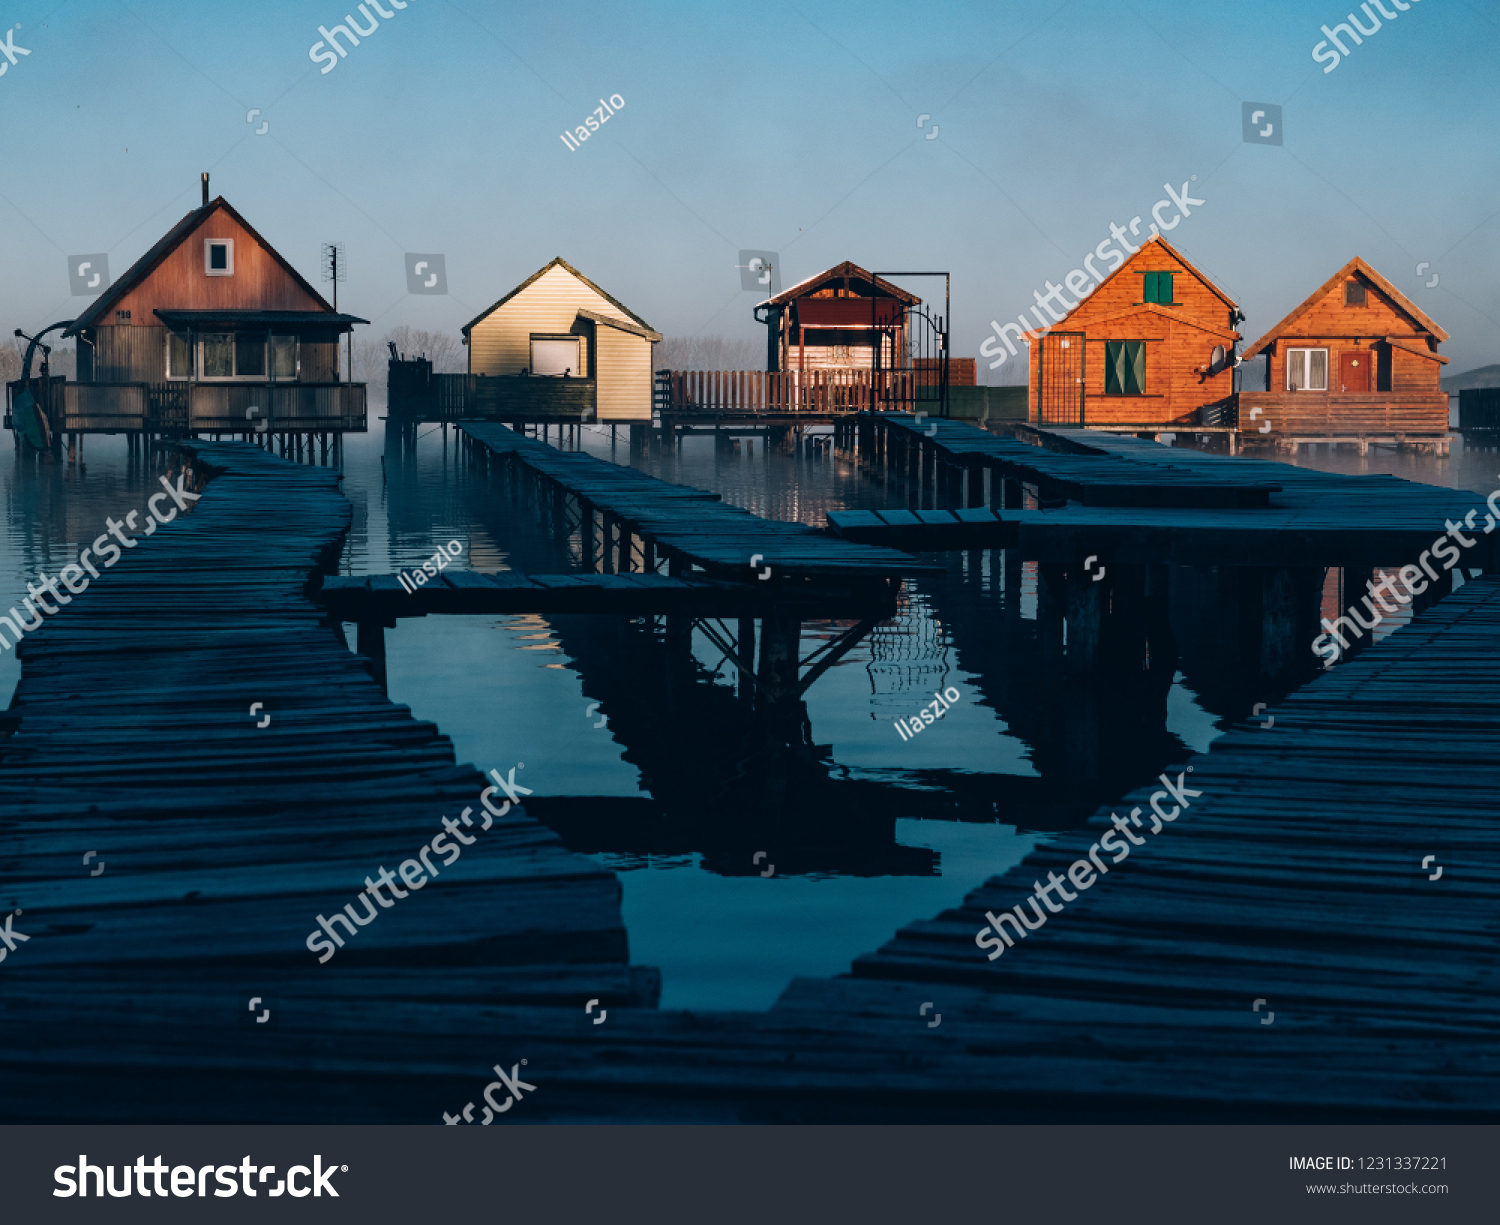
756	392
203	408
1335	414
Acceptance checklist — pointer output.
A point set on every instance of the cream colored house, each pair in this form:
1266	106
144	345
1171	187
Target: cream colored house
558	339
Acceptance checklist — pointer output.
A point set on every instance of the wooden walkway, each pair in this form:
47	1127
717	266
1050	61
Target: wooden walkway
688	527
510	593
1296	878
1094	478
221	841
1312	518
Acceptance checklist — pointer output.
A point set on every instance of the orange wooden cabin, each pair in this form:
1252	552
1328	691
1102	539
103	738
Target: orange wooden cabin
1151	345
1357	361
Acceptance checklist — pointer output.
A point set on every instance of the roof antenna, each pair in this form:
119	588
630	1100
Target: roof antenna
205	189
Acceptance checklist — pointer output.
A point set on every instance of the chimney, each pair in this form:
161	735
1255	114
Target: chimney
205	189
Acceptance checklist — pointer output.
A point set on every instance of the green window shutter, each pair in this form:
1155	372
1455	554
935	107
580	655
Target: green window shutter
1148	287
1114	367
1135	368
1164	288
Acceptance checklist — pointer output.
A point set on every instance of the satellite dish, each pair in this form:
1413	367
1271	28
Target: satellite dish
1216	362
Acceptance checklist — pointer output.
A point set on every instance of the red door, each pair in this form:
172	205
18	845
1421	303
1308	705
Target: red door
1354	371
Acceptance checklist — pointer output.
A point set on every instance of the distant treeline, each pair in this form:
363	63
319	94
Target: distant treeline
444	351
13	352
709	353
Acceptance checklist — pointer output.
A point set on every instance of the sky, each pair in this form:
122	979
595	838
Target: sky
805	129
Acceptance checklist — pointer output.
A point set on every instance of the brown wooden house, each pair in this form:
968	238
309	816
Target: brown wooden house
1357	361
1152	344
841	319
211	331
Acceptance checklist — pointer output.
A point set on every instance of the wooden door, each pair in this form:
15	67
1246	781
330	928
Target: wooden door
1061	373
1354	370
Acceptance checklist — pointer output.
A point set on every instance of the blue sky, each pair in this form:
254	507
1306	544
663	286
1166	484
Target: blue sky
787	127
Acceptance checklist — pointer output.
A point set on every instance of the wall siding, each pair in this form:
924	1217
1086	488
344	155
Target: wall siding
179	282
1175	349
625	379
500	343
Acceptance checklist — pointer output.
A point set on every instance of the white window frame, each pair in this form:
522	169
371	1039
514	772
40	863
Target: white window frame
1299	359
208	245
192	345
556	338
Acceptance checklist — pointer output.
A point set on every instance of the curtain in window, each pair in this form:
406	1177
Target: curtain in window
218	356
284	357
1317	369
1124	367
1296	375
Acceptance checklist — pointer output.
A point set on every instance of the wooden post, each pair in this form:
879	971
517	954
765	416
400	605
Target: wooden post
607	552
586	537
370	643
745	658
1085	617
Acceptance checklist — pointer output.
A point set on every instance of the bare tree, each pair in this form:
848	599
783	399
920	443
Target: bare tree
13	352
709	353
370	356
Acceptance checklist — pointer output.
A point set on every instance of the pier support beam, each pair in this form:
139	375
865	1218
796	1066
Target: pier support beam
370	642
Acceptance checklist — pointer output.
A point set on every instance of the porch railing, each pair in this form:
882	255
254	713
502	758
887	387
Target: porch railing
756	392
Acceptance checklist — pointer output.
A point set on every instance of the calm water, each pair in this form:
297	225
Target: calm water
680	791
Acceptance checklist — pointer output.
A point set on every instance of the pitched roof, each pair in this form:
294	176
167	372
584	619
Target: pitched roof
559	262
1354	265
847	268
169	242
1175	254
619	324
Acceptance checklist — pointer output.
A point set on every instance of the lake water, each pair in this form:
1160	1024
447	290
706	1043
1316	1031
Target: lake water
679	791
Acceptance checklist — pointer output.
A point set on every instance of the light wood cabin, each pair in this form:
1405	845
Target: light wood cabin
1151	344
210	324
842	319
559	325
1357	360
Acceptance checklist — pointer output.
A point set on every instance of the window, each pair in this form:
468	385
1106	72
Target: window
283	357
218	256
1157	287
218	355
249	355
840	353
555	355
1354	293
1125	367
179	357
1307	369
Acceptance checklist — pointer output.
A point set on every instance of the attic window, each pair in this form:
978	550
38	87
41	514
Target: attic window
1354	293
218	256
1157	287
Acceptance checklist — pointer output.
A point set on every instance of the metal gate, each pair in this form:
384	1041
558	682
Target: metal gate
1060	379
911	361
911	372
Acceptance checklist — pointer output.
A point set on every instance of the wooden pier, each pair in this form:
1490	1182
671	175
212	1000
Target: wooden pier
1284	951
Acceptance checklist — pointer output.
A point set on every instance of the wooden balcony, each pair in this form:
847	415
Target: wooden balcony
200	408
1311	415
758	393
